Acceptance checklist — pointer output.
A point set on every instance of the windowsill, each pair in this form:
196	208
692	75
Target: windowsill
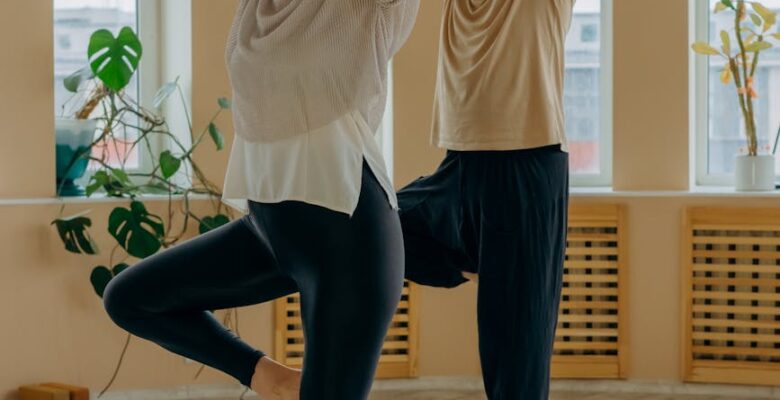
94	199
699	191
576	192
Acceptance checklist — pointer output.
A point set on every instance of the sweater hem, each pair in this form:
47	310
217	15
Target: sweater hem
505	145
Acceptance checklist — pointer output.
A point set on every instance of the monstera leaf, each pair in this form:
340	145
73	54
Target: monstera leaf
100	277
137	231
211	223
114	59
119	268
73	232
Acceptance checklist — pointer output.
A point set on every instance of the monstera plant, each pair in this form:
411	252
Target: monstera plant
138	233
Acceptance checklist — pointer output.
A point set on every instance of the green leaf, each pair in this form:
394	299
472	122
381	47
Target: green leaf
114	60
73	81
119	268
100	277
97	181
156	188
136	230
115	181
224	103
211	223
74	235
729	4
726	39
776	35
705	49
216	135
164	92
758	46
169	164
769	16
756	19
120	175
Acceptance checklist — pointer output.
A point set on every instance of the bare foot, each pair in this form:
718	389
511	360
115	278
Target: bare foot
274	381
472	277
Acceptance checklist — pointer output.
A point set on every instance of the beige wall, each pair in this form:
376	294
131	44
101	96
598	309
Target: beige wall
54	328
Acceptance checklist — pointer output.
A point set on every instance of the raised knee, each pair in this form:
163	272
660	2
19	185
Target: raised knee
119	302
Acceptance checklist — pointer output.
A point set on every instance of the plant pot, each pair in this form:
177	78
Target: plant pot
755	173
73	139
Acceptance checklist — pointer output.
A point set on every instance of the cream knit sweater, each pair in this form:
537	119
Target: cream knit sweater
298	65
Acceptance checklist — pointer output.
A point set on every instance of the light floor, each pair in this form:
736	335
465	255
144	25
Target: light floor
468	395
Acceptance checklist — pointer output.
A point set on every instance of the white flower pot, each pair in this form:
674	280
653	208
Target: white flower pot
755	173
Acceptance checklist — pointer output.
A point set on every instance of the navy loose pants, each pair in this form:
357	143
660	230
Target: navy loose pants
503	215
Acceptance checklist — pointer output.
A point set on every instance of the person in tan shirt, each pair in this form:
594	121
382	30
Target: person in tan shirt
497	205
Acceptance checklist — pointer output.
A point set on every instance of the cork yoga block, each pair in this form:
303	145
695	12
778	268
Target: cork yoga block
40	392
76	392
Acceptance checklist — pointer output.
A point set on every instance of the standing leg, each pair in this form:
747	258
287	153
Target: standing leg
166	298
350	274
522	246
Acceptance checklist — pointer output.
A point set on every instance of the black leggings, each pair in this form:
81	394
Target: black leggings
349	272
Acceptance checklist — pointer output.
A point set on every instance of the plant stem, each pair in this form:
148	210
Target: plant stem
118	365
747	110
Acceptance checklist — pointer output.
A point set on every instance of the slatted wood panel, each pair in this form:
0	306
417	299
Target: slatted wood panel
731	294
591	339
399	353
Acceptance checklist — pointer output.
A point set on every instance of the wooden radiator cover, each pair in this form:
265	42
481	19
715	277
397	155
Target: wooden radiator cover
591	339
399	353
731	295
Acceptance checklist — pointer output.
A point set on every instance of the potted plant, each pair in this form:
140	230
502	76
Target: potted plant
137	231
75	131
741	50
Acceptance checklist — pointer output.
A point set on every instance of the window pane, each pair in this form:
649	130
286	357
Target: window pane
74	22
582	97
726	131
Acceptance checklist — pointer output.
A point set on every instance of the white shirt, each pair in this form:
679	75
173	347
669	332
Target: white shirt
322	167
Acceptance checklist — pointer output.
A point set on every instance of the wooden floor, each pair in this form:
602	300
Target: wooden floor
463	395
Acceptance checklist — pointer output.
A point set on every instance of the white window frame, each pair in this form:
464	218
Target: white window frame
604	178
699	82
150	69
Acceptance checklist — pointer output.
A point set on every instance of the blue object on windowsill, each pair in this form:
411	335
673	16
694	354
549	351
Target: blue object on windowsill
73	140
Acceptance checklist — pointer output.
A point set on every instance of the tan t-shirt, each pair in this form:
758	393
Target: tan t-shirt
500	77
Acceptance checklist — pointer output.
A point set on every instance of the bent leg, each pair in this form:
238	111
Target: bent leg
432	221
167	298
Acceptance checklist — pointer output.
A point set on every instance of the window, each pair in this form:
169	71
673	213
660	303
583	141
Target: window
587	93
74	22
589	34
718	125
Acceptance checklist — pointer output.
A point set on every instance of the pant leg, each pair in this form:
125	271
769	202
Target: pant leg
165	298
350	274
431	219
522	202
